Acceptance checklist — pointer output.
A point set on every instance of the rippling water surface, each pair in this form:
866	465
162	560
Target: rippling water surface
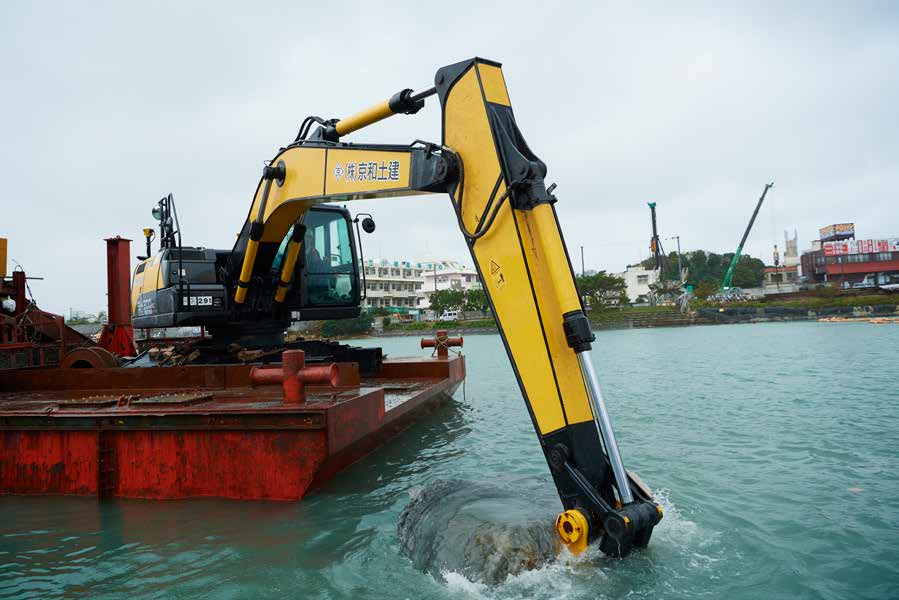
773	449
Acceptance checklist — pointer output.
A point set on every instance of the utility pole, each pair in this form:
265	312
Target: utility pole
584	297
680	265
776	269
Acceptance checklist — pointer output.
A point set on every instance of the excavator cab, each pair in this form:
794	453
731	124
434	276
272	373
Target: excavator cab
330	272
184	286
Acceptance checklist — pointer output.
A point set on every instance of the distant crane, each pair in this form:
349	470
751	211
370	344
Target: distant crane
655	245
725	286
661	289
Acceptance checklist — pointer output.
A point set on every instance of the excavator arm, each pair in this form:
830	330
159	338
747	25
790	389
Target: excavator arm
508	219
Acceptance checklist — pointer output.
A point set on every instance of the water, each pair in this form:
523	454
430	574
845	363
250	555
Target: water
772	448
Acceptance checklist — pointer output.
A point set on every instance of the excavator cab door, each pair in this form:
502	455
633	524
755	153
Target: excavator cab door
327	274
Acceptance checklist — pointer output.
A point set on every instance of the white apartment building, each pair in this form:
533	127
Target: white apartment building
405	286
448	274
394	284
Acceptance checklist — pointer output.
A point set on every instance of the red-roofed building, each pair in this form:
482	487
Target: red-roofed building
852	262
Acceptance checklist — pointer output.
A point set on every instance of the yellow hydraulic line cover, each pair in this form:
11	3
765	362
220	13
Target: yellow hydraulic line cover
246	271
290	261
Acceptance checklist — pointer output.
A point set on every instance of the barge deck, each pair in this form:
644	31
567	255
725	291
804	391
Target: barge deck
202	431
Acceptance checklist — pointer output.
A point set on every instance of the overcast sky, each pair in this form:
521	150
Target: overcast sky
107	107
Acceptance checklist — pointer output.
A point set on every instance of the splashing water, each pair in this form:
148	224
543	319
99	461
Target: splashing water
482	532
590	574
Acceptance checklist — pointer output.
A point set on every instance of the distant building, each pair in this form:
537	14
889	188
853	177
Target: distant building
839	257
637	281
395	285
781	277
791	249
784	276
404	287
448	275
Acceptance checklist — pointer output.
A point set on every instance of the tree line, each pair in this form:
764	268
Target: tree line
706	270
474	300
88	319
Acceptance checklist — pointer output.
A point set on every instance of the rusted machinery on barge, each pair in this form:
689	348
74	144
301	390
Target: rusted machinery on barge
29	336
295	257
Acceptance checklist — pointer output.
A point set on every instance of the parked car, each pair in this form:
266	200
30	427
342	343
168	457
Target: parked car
875	280
449	315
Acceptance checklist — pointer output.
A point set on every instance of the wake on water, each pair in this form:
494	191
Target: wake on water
475	536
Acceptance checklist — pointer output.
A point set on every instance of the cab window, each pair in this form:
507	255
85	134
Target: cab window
329	258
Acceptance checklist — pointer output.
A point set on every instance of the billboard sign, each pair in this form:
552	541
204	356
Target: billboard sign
836	248
860	246
837	231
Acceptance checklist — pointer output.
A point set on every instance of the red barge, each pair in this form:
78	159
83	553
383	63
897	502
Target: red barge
222	431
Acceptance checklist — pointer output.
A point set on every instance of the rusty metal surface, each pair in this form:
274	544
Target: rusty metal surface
169	400
199	431
29	336
92	357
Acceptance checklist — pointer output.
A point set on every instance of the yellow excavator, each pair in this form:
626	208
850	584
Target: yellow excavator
296	255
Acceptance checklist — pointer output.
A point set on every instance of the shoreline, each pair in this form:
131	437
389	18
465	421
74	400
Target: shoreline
884	313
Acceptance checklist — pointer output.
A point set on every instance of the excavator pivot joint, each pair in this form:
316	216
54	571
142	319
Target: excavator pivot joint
275	173
558	455
629	527
403	103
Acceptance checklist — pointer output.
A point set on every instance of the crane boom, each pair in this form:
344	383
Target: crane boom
733	263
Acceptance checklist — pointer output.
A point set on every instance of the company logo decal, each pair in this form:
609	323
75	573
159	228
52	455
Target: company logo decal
368	171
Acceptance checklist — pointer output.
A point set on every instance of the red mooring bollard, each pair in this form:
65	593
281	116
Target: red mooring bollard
293	375
442	342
